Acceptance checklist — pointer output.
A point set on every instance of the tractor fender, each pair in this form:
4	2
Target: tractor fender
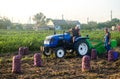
81	38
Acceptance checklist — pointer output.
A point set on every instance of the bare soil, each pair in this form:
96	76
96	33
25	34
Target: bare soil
65	68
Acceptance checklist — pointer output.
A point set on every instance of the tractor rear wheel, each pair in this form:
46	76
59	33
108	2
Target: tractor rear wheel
82	47
60	52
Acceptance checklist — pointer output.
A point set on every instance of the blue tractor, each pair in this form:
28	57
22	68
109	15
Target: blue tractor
61	43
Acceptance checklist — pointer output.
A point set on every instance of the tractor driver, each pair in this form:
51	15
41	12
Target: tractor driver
75	32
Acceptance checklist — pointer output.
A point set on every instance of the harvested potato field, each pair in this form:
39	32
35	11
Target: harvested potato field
55	68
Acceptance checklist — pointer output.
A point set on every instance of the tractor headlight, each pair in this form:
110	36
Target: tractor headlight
47	40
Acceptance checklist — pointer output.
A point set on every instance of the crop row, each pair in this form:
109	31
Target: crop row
11	40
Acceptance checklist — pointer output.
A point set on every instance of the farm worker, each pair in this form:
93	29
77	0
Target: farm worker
107	38
75	32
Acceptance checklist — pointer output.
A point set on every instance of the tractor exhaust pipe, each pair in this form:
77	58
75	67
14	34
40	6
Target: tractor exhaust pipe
54	30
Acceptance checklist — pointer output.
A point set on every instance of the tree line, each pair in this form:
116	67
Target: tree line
41	20
94	25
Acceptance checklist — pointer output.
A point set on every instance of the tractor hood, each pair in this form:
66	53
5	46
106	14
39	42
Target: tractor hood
52	40
60	36
53	36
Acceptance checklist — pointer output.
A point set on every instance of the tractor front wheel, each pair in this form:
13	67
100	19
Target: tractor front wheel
47	53
60	52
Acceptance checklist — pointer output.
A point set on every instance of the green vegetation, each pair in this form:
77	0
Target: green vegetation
11	40
94	25
40	19
4	23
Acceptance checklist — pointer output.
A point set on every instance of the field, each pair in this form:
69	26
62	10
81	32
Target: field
65	68
53	68
11	40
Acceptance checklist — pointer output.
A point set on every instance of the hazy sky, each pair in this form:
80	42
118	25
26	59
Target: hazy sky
96	10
